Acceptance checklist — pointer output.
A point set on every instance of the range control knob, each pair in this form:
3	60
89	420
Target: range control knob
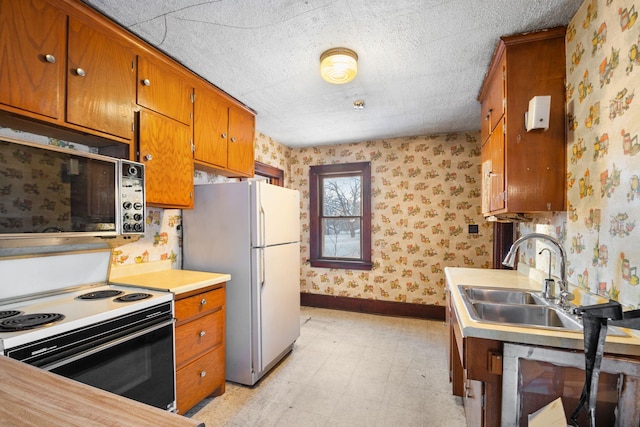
127	205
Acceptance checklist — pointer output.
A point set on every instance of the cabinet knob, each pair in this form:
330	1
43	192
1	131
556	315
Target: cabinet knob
148	157
50	58
233	139
203	301
203	374
80	72
146	82
224	135
202	333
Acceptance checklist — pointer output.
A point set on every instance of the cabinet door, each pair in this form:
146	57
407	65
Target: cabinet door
164	91
165	149
493	104
100	82
32	54
211	127
496	172
473	410
240	152
485	156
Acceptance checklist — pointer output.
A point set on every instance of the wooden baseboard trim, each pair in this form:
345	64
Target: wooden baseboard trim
389	308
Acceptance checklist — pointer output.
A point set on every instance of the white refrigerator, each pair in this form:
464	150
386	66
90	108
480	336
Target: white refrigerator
250	230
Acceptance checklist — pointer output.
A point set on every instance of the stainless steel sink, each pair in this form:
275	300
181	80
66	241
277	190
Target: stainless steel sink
526	315
519	307
498	295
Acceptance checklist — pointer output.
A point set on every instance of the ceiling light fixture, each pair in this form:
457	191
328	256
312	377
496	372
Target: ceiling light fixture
358	104
338	65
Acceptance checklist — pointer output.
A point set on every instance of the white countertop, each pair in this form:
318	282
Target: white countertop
512	279
160	276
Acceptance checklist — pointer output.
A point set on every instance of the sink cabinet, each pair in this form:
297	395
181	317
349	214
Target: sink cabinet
200	346
523	172
475	373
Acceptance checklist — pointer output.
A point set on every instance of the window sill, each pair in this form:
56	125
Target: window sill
340	264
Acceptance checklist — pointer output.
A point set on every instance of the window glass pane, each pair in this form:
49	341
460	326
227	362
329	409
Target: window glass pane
341	238
342	196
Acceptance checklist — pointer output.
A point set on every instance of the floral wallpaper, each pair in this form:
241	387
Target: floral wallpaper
425	195
601	227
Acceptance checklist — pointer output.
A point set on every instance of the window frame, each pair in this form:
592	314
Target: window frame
316	173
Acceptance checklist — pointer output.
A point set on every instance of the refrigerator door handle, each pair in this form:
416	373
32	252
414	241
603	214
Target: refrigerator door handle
263	231
262	267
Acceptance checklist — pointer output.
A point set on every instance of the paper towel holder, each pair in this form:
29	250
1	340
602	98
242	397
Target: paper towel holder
538	115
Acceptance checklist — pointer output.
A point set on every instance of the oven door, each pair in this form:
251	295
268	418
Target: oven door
139	366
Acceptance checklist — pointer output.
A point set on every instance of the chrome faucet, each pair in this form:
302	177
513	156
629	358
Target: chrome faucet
509	261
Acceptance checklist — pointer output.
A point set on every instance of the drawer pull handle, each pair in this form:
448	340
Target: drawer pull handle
50	58
80	72
203	374
146	82
202	333
203	301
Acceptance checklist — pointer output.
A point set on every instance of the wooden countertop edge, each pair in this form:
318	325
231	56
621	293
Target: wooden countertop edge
513	279
31	397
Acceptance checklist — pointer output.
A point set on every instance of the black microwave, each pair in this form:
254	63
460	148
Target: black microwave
50	191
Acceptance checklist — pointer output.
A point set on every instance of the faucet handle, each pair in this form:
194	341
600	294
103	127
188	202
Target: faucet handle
565	297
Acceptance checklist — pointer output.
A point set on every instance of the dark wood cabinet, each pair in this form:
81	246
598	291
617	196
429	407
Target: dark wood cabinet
523	172
475	373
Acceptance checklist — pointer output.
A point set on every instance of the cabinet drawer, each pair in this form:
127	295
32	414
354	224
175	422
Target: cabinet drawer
197	305
199	379
199	336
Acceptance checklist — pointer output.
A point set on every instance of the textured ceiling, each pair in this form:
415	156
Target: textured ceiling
421	63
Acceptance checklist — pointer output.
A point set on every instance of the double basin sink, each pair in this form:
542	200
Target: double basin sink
519	307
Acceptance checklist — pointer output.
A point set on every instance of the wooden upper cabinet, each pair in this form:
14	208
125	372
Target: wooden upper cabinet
100	81
524	171
492	109
211	127
164	91
240	151
32	56
496	172
165	150
223	134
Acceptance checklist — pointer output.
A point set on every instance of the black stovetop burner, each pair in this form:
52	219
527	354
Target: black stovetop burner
9	313
137	296
29	321
109	293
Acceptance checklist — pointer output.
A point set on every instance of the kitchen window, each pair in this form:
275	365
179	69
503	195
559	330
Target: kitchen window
340	216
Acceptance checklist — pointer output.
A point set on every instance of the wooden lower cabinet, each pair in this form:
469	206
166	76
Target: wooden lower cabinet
475	373
200	346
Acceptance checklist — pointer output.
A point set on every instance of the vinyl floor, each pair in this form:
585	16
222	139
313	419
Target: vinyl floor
348	369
